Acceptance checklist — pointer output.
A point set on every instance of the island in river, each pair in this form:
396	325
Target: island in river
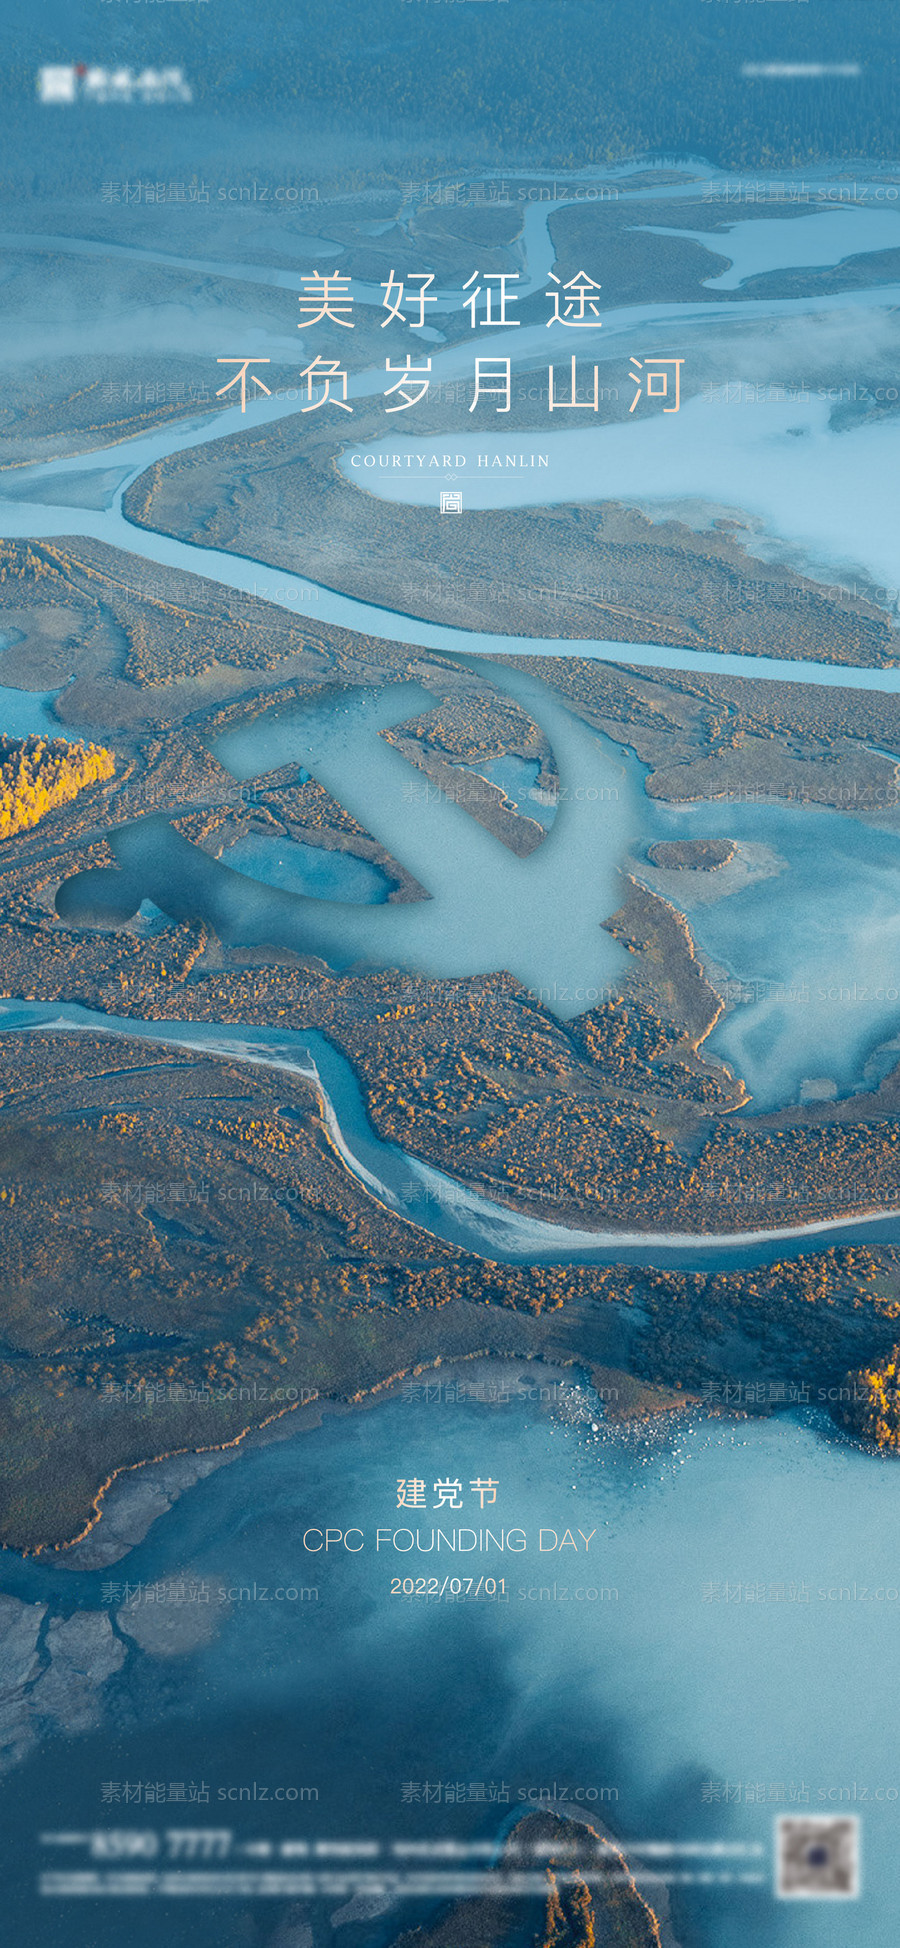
375	1009
223	1261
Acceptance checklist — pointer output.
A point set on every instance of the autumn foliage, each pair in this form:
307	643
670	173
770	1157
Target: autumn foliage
874	1410
37	774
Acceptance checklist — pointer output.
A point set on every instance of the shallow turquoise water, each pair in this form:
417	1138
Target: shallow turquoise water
658	1693
310	869
518	778
817	942
27	713
442	1205
665	1685
539	918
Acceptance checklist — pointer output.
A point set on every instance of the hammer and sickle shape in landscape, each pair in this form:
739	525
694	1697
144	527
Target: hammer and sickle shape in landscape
539	917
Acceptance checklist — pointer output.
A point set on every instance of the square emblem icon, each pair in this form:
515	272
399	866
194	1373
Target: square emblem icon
817	1859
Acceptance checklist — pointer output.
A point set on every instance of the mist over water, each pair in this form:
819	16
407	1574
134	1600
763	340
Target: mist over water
539	918
817	944
810	953
706	1714
585	1690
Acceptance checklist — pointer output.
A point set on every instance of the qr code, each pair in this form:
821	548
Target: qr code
817	1858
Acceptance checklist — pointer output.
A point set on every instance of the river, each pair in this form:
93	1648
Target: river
705	1653
429	1198
722	1654
776	1044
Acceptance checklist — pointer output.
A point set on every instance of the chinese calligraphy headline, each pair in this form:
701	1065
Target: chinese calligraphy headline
411	1494
327	299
